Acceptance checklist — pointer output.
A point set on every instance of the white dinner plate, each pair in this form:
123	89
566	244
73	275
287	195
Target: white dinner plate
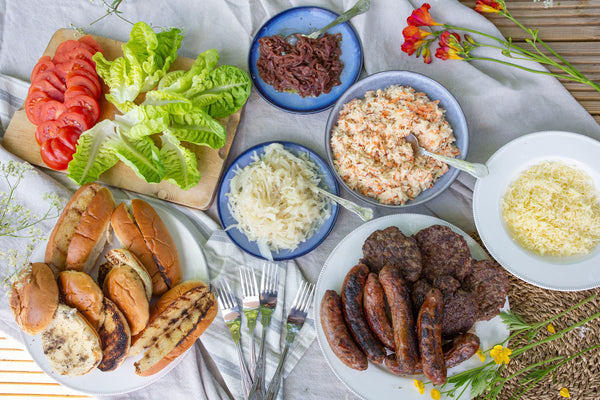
376	383
124	378
549	272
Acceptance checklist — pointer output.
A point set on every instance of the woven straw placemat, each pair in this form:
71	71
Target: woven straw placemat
581	375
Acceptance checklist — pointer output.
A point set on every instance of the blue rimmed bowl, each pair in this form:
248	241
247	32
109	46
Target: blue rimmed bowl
306	20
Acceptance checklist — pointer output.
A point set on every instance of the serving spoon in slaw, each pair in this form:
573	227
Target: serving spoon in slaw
364	213
360	7
475	169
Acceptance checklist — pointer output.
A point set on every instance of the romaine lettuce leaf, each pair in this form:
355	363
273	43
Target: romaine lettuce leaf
180	163
94	153
143	120
141	155
198	128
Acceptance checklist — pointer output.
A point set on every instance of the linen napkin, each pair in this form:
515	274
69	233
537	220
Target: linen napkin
223	259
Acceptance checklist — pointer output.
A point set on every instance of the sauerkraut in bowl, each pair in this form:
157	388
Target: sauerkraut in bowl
268	204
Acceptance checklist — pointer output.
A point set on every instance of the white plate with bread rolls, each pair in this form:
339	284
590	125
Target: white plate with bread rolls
375	381
127	289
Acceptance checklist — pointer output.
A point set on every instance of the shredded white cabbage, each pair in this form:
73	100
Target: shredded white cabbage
552	208
274	201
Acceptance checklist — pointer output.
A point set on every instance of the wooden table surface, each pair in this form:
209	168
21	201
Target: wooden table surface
572	28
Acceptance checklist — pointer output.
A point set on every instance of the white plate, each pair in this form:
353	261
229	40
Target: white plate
556	273
124	378
376	383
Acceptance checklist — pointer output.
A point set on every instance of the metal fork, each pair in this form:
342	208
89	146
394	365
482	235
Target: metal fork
231	315
268	301
295	320
251	302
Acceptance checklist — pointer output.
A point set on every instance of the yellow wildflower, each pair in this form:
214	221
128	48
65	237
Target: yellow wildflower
481	355
435	394
550	328
420	385
564	392
501	354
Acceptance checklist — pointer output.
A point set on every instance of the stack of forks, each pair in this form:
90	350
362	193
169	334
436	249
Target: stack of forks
263	301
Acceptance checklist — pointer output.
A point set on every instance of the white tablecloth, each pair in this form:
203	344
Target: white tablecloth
500	104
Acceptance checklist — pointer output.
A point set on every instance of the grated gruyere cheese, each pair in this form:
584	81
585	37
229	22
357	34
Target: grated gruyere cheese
552	209
274	201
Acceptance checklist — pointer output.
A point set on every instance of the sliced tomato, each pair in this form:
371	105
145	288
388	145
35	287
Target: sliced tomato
46	130
87	103
82	78
63	69
57	152
77	90
81	51
46	86
51	110
90	41
77	117
33	104
65	50
44	63
50	76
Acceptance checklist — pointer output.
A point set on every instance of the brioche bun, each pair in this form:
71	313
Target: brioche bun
80	291
178	318
81	230
34	298
143	232
124	286
70	343
117	257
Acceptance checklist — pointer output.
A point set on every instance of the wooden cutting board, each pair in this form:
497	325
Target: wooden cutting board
19	139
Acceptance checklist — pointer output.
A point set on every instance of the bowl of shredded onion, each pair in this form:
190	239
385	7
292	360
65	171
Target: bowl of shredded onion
268	203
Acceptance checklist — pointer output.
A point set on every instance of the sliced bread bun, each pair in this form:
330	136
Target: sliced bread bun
80	291
61	235
70	343
179	317
92	232
143	232
124	286
34	298
117	257
115	337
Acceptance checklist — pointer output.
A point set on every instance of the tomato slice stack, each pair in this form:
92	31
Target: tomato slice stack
63	99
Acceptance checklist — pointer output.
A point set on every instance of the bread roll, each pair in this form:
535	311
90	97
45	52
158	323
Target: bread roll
70	343
34	298
117	257
125	287
146	236
179	317
115	337
80	291
91	233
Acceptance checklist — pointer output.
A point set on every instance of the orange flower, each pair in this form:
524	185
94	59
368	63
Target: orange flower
421	17
426	55
450	47
488	6
413	39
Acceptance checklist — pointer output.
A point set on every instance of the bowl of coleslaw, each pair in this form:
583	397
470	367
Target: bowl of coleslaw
265	200
365	143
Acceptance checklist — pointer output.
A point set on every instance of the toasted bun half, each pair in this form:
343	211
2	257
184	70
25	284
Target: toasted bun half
144	233
179	317
92	232
125	287
115	337
80	291
34	298
70	343
118	257
61	235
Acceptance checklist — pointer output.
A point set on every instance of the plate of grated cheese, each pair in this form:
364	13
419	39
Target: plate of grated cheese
538	211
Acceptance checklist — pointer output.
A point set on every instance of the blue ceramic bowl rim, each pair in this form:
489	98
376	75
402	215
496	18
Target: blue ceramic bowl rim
449	100
333	101
334	206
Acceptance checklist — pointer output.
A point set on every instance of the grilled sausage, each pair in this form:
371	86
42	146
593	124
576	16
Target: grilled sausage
460	349
352	306
398	297
429	332
337	333
374	305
